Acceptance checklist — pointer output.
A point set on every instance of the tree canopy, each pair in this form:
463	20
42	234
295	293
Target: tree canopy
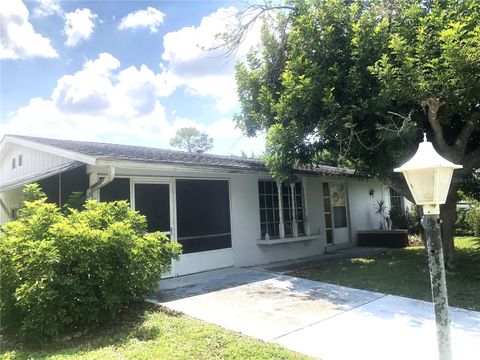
191	140
356	82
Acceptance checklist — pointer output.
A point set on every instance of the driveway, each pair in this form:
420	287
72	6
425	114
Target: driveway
318	319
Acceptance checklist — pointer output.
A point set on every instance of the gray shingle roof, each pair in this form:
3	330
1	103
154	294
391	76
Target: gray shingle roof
141	154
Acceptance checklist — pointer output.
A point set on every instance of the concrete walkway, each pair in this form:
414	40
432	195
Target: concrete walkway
322	320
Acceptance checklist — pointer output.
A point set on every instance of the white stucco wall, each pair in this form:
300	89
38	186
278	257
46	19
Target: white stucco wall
362	205
246	225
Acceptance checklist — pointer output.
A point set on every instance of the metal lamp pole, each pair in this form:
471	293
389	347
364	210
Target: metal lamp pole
428	176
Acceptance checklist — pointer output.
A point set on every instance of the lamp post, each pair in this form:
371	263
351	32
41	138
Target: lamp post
428	176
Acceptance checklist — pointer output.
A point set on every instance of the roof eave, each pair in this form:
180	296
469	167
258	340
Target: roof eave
87	159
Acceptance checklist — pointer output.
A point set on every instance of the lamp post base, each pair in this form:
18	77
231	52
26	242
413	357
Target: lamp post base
431	223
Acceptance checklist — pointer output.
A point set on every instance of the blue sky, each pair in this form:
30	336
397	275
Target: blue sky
129	72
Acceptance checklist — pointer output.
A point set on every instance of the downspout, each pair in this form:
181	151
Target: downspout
101	183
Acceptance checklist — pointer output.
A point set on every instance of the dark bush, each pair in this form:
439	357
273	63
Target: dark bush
472	217
399	218
66	273
462	228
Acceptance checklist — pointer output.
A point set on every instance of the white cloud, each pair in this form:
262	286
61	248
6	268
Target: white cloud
103	102
18	39
205	72
150	18
79	26
228	139
47	8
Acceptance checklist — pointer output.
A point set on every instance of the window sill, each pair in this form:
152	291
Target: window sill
287	240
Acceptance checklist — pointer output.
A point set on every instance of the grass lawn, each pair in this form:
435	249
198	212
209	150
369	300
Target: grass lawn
151	332
404	272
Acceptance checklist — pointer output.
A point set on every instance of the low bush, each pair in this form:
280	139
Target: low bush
472	218
64	273
462	228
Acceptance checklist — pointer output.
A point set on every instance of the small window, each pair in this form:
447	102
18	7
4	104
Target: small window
20	160
13	163
396	201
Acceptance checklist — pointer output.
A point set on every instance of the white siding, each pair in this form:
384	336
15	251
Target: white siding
33	161
12	200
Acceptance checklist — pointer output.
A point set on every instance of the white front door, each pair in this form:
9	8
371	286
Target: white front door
336	213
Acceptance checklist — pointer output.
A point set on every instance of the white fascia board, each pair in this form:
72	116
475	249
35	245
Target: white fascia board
87	159
171	167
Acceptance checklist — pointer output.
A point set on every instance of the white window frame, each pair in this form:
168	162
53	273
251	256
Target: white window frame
281	209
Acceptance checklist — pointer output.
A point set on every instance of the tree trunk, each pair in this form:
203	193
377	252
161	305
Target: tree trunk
449	216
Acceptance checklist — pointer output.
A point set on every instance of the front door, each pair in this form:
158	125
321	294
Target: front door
154	200
336	213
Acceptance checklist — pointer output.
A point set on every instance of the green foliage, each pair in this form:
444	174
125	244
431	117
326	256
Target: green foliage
462	228
472	218
32	192
191	140
399	218
347	81
380	209
76	200
64	273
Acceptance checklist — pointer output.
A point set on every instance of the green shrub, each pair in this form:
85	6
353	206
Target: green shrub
462	228
472	218
67	273
399	218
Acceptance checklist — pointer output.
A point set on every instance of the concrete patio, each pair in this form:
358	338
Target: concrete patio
322	320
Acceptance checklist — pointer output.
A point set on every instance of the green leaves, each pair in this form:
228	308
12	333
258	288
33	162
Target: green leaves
348	79
64	273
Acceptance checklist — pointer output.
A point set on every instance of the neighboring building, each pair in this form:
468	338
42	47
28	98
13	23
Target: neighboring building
225	211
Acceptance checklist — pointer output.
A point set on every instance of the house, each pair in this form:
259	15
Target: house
224	210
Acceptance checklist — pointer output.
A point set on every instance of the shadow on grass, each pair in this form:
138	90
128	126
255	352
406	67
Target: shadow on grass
128	325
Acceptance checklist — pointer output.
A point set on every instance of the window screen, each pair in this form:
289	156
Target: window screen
59	187
75	180
50	186
203	215
118	189
153	201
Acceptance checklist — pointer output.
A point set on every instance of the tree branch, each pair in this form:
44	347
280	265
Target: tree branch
472	160
399	184
248	17
462	139
433	105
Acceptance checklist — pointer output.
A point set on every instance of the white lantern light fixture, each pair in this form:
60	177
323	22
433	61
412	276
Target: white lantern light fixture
428	176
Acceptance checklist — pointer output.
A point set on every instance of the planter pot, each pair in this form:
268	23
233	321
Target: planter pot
383	238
